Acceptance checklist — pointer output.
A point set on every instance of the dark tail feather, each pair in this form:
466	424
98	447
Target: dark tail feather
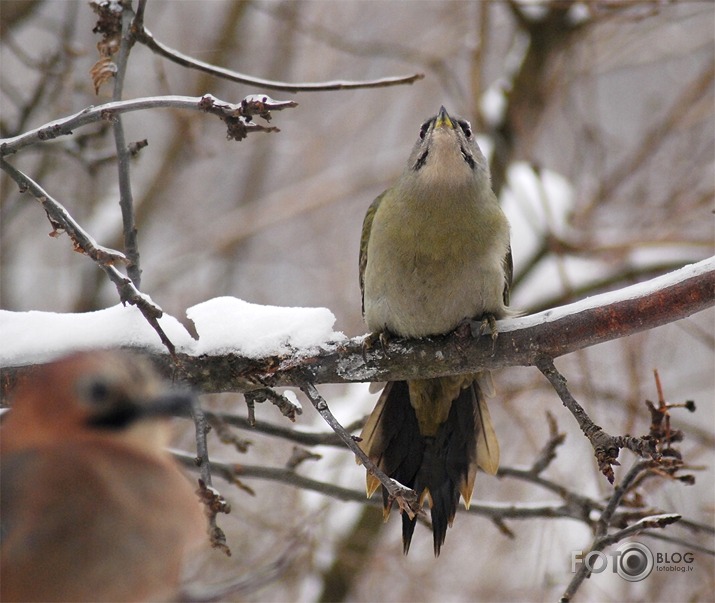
438	467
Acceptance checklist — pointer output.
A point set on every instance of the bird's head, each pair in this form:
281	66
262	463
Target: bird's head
93	394
447	152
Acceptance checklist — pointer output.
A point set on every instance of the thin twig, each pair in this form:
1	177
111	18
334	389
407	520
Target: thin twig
654	521
682	542
108	111
144	36
212	499
105	258
327	438
606	447
580	504
202	427
548	452
405	497
287	407
233	472
126	200
665	466
502	511
601	540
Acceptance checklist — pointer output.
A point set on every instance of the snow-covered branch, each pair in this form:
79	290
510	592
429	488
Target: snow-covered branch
521	341
243	347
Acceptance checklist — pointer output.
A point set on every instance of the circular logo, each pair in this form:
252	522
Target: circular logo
635	562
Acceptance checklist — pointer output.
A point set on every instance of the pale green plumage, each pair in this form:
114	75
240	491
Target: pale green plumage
434	253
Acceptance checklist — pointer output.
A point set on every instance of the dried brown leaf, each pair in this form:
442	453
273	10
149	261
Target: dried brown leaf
102	71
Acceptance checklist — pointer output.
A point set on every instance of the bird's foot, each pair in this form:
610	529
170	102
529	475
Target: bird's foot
475	328
480	327
372	338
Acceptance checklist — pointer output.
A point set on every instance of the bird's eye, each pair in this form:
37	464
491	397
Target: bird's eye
424	128
98	391
466	127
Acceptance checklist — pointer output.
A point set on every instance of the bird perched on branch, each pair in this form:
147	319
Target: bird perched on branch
92	508
435	255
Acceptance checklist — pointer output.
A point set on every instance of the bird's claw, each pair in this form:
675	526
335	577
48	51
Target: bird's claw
480	327
371	339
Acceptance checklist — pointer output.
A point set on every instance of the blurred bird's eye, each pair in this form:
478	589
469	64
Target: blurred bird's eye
98	391
425	127
466	127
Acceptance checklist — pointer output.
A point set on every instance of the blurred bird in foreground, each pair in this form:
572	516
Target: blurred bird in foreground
435	255
92	508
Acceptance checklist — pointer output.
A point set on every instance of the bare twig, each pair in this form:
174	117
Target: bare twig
689	544
654	521
108	111
212	499
226	435
405	497
661	466
501	511
214	504
548	452
601	538
617	511
328	438
287	407
105	258
606	447
202	427
126	200
144	36
300	455
232	472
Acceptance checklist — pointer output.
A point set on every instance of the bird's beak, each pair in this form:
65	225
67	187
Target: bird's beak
172	403
443	119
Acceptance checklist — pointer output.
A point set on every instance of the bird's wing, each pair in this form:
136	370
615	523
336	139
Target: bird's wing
508	274
364	238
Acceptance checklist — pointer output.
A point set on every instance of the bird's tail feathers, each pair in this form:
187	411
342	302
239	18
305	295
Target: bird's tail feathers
438	467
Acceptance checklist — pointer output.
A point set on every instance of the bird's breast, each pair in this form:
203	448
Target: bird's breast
431	266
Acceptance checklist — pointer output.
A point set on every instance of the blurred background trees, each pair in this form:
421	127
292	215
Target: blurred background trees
598	120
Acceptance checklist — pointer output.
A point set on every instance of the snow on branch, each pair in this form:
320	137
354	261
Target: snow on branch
521	341
243	347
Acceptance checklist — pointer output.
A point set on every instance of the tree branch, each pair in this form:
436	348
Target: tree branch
521	341
105	258
327	438
405	497
207	103
126	199
144	36
233	472
606	447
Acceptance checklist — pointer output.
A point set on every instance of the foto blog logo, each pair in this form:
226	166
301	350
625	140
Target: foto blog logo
632	561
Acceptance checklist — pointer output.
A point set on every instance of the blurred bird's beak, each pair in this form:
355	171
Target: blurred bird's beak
170	404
